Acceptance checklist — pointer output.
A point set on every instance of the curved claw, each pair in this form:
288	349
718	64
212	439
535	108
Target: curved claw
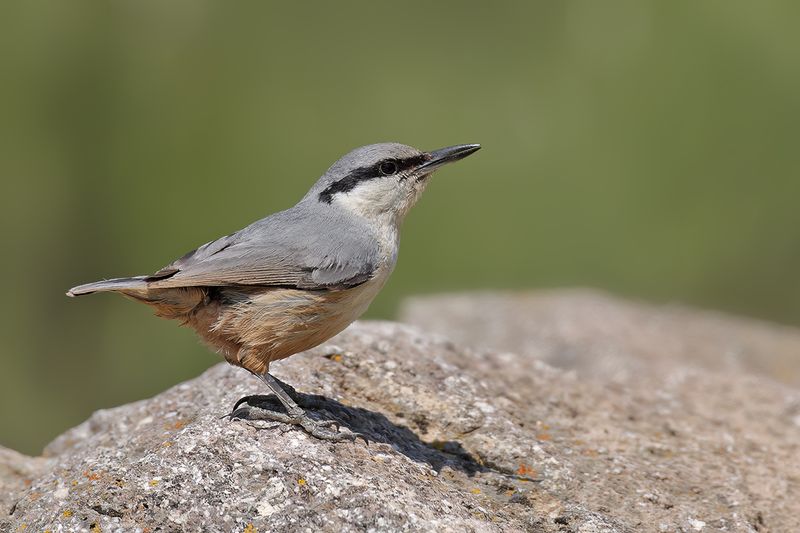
240	401
253	400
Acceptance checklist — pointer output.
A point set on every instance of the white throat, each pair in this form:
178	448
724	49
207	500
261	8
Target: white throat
382	201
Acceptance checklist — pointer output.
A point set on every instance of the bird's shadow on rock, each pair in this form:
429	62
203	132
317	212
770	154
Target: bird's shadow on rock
374	427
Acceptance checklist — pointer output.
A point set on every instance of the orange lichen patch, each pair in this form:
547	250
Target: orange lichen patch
336	357
475	491
74	482
27	482
525	471
95	528
590	452
249	528
147	530
167	444
177	425
35	495
153	482
301	482
91	476
510	492
67	513
544	436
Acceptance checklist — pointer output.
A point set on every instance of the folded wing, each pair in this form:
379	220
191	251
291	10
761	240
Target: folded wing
288	249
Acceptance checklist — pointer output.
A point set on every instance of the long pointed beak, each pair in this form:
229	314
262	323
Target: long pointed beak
447	155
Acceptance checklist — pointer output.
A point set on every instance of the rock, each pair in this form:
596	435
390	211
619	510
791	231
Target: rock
461	439
608	339
16	472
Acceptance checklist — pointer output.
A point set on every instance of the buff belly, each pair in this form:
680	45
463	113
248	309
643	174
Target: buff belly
252	327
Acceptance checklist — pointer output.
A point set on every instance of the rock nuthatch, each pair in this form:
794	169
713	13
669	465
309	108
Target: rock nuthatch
293	280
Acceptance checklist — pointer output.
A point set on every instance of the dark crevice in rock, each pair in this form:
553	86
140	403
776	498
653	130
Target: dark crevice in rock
107	511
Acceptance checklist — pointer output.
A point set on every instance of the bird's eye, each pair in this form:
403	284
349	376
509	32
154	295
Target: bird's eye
388	168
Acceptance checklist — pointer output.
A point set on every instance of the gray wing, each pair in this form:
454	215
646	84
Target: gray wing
307	249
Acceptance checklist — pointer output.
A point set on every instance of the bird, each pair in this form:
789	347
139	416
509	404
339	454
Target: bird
291	281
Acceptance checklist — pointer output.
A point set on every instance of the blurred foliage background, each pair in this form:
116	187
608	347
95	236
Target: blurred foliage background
647	148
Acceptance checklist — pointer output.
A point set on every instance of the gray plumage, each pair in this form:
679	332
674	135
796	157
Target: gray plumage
308	247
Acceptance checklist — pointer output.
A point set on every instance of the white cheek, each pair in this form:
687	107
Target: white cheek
372	198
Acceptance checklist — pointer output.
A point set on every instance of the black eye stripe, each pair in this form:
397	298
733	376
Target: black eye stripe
356	176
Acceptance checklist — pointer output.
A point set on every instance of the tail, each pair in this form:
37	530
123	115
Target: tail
176	302
118	284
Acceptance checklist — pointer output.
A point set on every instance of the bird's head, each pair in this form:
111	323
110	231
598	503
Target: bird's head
382	181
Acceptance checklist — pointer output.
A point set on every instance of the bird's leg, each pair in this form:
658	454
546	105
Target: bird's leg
287	388
308	401
294	413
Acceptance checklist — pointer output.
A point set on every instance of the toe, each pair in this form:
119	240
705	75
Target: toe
323	431
329	424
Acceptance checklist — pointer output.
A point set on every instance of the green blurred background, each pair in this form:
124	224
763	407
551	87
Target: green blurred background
647	148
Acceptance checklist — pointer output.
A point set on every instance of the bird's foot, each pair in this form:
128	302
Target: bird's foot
321	429
307	401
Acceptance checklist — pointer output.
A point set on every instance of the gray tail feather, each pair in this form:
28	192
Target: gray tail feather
118	284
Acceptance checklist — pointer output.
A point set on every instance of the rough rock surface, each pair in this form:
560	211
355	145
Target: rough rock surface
16	472
461	439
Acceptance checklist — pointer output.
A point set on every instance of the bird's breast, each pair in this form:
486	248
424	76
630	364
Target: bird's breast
275	323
